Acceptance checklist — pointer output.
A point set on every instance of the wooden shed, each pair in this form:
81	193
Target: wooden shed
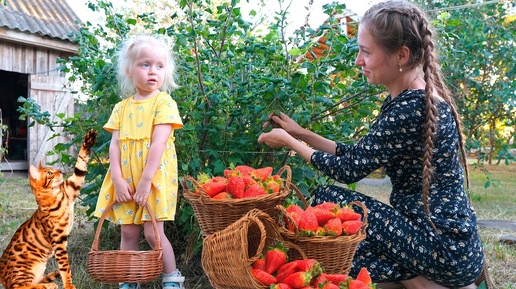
33	35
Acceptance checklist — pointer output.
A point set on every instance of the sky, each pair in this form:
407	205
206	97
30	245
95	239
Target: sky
297	8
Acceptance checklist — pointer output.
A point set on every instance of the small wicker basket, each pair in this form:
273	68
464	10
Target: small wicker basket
334	253
228	255
215	215
115	266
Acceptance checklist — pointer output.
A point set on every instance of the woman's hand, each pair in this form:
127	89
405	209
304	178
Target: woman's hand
276	138
288	124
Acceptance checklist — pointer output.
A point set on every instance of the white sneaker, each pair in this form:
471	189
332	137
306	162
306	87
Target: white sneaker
128	286
173	281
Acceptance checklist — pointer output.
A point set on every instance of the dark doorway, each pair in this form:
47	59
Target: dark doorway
15	138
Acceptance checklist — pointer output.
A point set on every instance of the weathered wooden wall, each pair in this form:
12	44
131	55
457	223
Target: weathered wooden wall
47	85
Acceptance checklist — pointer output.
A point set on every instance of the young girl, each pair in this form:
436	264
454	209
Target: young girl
143	162
427	237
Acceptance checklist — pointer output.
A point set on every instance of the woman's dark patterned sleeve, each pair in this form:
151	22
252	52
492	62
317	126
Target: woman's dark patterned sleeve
390	139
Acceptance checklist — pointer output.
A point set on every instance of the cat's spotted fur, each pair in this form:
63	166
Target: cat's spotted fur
24	261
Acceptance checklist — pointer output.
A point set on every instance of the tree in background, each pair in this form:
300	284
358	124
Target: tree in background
233	73
479	60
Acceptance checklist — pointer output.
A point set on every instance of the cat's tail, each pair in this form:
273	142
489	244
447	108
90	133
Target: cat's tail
50	277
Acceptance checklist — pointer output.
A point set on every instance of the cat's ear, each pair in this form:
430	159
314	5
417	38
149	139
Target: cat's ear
34	173
40	166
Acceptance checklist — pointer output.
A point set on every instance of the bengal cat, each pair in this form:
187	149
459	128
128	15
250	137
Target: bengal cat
24	261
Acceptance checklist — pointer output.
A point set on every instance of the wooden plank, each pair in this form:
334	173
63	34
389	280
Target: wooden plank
497	224
41	62
36	40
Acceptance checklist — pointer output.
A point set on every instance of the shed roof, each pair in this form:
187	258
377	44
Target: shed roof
52	18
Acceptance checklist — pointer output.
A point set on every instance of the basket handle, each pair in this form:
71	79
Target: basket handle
95	244
364	217
288	179
184	183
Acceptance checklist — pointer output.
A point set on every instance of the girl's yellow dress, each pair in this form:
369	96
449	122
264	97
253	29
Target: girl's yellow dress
135	120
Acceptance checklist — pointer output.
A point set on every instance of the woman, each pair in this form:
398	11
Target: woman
428	237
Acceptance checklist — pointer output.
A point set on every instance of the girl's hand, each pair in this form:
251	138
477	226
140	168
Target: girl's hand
276	138
142	193
123	190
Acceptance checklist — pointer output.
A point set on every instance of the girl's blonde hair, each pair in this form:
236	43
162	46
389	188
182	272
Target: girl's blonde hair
129	51
394	24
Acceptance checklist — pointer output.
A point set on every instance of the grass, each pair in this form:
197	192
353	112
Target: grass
496	202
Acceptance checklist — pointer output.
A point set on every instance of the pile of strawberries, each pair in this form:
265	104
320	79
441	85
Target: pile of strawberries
326	219
275	271
241	182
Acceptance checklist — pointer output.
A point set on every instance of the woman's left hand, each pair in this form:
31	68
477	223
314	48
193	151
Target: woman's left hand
276	138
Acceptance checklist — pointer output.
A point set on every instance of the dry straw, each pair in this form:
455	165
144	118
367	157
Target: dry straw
114	266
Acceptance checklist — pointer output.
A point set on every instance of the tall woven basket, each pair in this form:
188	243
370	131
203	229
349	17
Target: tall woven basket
335	253
228	254
215	215
115	266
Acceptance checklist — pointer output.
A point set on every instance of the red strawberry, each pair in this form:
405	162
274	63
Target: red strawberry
223	196
248	180
275	257
219	179
326	206
329	285
254	190
298	279
213	188
294	208
296	217
335	278
261	174
280	286
230	173
263	277
364	276
285	270
351	227
319	281
310	265
333	227
357	284
347	214
308	222
321	231
323	215
236	187
259	264
272	186
244	170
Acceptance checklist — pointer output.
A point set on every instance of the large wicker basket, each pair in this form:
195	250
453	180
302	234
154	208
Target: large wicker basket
215	215
334	253
114	266
228	254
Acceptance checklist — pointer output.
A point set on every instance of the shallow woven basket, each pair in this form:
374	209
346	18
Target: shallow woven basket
215	215
228	255
334	253
114	266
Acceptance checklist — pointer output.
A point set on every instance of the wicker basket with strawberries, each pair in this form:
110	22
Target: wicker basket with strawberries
219	201
326	232
229	255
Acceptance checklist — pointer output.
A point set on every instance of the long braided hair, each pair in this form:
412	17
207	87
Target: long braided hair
396	23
